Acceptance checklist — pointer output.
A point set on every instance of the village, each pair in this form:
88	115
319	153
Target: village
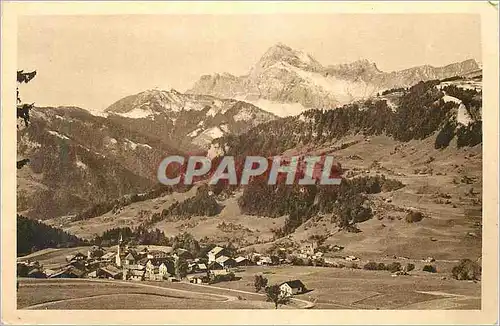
286	274
140	263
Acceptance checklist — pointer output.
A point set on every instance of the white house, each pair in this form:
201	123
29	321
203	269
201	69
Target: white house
293	287
163	270
215	253
265	260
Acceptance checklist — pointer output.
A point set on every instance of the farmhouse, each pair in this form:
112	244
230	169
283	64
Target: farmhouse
264	261
36	273
293	287
225	261
129	259
109	272
198	279
215	253
215	266
70	272
219	272
133	274
108	256
241	261
157	254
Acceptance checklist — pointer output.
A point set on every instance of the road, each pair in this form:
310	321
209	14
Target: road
307	304
225	297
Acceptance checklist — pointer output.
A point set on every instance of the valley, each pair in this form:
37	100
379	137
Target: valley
402	231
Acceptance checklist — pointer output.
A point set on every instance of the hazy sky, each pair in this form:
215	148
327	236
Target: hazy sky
93	61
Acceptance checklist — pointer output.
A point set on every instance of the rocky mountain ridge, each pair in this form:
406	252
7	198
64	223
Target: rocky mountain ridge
287	76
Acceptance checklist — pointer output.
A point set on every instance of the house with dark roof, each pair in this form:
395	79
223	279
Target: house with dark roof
196	267
198	279
108	256
70	272
182	253
129	259
134	274
157	254
36	273
241	261
225	262
293	287
110	272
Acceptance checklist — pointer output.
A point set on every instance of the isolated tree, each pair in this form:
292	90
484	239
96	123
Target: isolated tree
181	268
260	282
23	109
277	296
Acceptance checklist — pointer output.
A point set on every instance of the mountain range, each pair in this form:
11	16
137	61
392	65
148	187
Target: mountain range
286	81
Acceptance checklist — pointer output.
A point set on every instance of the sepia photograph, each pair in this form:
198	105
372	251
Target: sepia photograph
278	161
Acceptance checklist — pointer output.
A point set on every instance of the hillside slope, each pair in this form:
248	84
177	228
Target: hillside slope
417	137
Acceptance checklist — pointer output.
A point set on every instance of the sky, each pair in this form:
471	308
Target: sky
93	61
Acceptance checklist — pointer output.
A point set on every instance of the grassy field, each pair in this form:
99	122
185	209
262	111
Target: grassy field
334	288
330	288
92	294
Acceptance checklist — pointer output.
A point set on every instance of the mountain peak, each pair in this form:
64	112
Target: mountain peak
285	54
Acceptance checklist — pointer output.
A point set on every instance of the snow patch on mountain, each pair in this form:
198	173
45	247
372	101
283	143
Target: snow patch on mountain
195	132
463	116
214	132
137	113
448	98
134	145
345	91
278	108
81	165
55	133
205	138
97	113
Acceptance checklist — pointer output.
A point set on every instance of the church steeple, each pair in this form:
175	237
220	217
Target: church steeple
118	258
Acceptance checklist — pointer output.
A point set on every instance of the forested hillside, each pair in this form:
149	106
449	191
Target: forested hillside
33	235
415	114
